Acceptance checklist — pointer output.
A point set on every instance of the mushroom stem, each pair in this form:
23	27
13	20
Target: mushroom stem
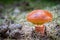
40	29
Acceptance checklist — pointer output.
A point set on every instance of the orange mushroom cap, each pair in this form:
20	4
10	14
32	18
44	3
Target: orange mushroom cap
39	17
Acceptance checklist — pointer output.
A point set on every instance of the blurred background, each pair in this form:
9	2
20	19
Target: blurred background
15	11
14	7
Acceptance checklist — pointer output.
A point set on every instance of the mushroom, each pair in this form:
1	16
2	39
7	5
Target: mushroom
39	18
